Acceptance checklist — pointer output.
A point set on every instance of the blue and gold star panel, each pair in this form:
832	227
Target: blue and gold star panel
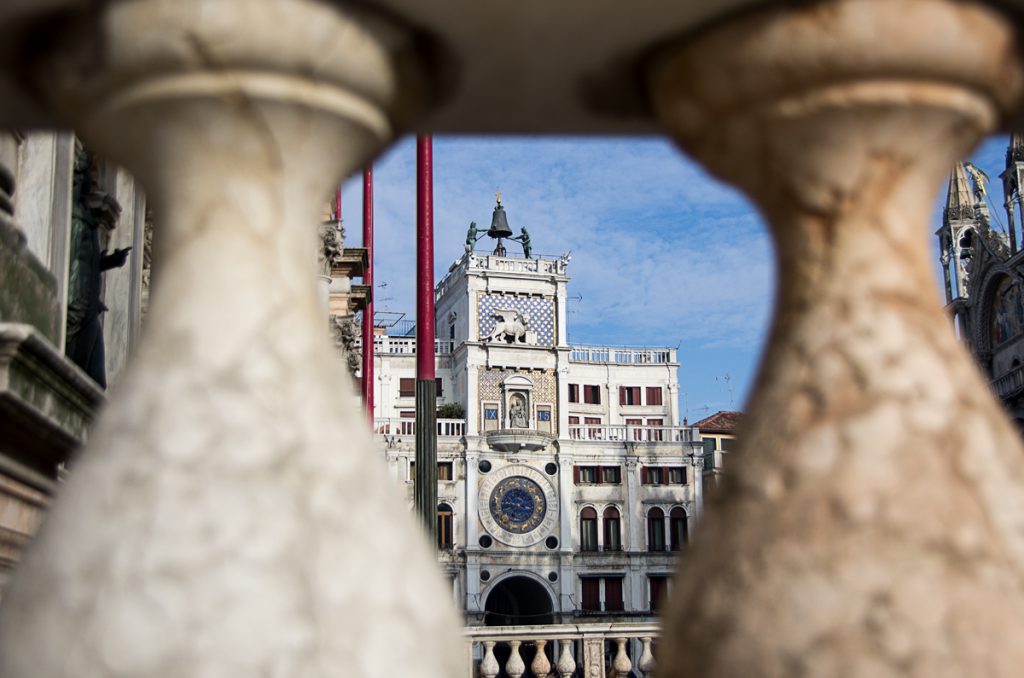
540	312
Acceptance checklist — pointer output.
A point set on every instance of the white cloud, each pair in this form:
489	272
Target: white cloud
661	252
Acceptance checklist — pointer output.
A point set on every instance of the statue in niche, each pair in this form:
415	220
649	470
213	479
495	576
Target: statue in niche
92	208
517	413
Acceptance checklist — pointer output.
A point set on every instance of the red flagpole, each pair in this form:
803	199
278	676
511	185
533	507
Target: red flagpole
424	258
368	338
425	488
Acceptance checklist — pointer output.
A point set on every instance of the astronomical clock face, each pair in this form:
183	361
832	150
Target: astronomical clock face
518	505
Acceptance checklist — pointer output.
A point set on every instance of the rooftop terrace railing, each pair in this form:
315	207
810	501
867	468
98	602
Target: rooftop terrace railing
622	356
384	344
541	264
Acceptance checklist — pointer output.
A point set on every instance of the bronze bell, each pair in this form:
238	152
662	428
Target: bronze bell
499	224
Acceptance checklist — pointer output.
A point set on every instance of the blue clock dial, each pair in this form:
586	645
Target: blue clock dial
518	504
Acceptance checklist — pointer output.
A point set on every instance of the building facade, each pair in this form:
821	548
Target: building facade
566	485
718	433
983	273
74	272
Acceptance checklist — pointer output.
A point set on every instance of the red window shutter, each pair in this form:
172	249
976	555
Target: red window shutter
659	589
591	594
643	476
576	475
622	395
612	594
406	387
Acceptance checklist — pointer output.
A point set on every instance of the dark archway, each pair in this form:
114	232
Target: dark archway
518	601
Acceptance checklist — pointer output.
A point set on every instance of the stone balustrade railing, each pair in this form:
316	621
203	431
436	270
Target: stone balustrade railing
537	264
602	355
562	650
226	516
446	428
622	433
1009	383
517	265
386	344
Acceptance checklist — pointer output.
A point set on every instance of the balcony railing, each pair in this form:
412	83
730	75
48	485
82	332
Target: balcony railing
604	355
446	428
1010	383
562	650
623	433
386	344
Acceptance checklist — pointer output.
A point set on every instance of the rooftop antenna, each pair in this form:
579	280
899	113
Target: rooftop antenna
728	385
383	286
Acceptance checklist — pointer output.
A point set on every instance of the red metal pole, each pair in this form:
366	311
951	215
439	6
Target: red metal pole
368	346
424	258
425	487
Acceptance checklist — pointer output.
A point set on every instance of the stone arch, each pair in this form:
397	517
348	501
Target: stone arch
981	330
983	288
518	598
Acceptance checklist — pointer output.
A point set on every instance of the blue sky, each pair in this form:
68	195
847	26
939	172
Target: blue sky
662	254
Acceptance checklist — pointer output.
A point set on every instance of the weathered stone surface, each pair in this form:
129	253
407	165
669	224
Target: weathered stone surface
875	526
27	289
231	515
46	403
22	507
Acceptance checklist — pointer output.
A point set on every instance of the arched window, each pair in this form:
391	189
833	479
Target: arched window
612	531
588	529
655	529
445	532
677	528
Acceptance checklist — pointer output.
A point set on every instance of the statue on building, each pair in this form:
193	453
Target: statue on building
346	333
517	413
471	236
92	208
978	179
524	239
332	245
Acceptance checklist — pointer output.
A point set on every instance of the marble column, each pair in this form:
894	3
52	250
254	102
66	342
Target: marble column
230	514
873	524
